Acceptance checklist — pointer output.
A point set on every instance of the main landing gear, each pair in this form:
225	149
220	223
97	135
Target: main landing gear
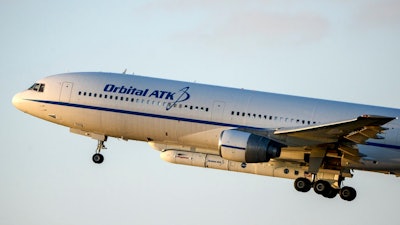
97	157
325	189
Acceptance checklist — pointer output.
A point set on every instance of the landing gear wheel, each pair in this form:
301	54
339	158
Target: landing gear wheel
348	193
98	158
332	192
322	187
302	184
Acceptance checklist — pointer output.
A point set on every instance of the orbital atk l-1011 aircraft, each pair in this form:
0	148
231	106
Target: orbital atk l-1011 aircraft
315	142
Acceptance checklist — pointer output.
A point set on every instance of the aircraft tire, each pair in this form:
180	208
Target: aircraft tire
98	158
332	192
302	184
348	193
322	187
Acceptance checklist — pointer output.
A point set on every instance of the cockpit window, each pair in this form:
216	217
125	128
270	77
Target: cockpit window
37	87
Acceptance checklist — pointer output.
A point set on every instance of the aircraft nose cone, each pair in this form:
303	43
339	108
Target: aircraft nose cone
16	101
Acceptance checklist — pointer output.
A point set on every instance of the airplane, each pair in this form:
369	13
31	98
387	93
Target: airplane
317	143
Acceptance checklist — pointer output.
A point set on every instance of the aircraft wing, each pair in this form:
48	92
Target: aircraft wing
343	134
357	130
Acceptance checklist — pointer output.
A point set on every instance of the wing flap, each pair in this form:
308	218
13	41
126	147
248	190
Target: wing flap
364	134
350	150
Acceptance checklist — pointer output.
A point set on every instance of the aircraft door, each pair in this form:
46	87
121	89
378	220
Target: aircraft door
66	91
218	110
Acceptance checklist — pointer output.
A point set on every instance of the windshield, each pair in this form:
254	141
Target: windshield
37	87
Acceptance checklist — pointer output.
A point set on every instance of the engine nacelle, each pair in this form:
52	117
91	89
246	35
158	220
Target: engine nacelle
246	147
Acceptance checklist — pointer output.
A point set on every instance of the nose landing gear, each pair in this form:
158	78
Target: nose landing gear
97	157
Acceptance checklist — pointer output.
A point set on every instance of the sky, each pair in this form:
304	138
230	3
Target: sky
339	50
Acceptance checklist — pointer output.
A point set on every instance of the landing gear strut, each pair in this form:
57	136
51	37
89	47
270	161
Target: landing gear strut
97	157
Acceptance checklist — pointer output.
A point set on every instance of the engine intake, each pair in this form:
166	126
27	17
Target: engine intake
246	147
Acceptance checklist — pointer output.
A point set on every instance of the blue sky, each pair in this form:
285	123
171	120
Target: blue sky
340	50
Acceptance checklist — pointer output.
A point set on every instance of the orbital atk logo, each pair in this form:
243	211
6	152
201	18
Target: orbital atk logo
182	94
174	97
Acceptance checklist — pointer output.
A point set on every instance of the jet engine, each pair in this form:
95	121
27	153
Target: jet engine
246	147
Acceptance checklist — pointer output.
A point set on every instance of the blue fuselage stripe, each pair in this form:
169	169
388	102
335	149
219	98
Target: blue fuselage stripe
207	122
383	145
141	114
234	147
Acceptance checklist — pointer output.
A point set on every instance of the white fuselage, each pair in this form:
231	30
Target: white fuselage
191	116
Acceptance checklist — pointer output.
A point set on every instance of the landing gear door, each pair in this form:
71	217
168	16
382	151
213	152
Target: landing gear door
66	91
